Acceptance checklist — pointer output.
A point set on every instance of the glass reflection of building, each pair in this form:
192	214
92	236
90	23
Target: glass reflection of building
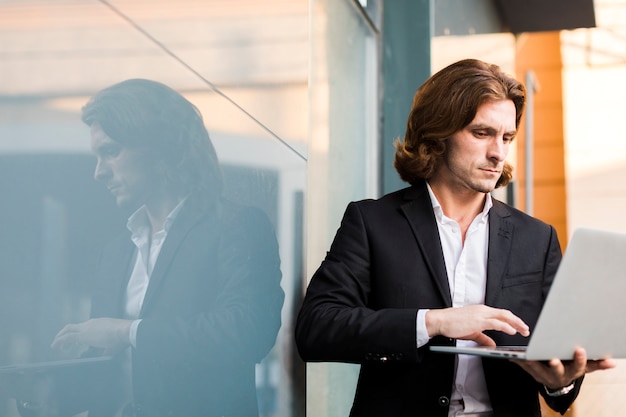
243	66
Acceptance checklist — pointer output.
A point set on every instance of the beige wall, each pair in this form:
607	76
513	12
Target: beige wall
596	169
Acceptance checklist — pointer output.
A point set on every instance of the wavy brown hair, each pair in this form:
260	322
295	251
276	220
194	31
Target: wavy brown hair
446	103
149	115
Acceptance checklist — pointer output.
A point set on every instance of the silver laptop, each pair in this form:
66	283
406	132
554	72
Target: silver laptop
51	366
586	306
32	380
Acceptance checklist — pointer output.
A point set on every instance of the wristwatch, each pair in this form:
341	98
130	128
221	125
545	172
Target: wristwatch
559	392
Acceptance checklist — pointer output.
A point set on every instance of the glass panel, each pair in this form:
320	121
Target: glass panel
342	157
244	65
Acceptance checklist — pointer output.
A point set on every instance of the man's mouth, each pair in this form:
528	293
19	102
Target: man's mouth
492	170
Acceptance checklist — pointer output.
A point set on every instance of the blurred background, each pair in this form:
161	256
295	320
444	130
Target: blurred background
303	100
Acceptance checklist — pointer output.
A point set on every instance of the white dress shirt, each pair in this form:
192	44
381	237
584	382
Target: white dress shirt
148	248
466	267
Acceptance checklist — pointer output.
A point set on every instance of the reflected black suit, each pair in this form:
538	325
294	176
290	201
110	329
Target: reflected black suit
210	313
385	263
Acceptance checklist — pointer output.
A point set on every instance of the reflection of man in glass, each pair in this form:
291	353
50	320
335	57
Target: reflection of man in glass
191	300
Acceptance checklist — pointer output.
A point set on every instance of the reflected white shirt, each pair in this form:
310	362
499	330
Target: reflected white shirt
148	248
466	267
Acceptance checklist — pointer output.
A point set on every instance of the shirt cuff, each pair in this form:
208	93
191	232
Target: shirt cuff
422	332
132	334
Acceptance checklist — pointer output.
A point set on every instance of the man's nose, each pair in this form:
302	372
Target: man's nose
101	172
498	150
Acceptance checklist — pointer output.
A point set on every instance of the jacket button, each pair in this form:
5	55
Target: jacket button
443	401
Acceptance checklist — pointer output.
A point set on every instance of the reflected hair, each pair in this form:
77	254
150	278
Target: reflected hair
151	116
446	103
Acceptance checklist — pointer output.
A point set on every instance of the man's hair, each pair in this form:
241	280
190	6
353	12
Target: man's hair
147	115
446	103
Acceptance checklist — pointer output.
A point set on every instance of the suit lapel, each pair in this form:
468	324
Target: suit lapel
419	213
500	239
189	216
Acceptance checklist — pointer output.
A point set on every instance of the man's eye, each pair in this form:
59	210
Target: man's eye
480	134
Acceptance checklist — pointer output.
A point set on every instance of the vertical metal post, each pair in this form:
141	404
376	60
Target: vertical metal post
408	27
529	159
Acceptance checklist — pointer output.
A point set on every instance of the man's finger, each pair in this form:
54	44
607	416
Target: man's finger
514	323
484	340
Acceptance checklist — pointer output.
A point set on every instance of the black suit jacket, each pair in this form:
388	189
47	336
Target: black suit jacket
385	263
211	312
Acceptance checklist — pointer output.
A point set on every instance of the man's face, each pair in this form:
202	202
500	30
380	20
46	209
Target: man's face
476	153
128	173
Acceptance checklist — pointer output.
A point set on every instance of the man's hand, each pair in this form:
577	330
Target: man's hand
112	335
470	322
556	374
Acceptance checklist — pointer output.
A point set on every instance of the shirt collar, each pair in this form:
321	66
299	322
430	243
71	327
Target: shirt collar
139	224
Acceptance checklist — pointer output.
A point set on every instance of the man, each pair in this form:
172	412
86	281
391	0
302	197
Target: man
190	300
442	262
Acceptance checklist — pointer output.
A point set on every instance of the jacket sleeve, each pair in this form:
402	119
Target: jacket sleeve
339	319
564	402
